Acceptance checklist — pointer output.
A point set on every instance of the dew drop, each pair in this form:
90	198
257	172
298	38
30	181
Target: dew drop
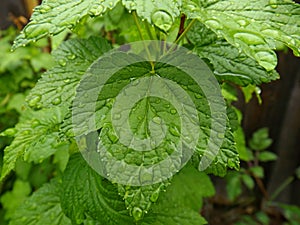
266	59
273	3
154	196
243	23
96	10
62	62
162	20
248	38
33	102
173	111
44	8
10	132
72	56
35	123
214	24
156	120
137	213
56	101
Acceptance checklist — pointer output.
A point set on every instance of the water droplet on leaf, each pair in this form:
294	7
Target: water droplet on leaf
35	123
56	101
268	60
34	100
96	10
62	62
155	195
137	213
248	38
162	20
156	120
10	132
214	24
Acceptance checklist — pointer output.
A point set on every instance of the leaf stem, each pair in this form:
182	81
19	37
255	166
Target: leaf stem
282	187
142	38
149	31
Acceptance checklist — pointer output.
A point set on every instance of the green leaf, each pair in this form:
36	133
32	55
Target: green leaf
248	92
291	213
12	199
267	156
54	16
181	202
253	26
232	65
36	137
227	157
57	86
248	181
257	171
42	208
141	197
160	13
86	194
260	140
233	185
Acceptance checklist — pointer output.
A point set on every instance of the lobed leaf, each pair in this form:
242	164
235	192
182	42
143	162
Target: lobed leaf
54	16
85	194
253	26
57	86
231	65
36	137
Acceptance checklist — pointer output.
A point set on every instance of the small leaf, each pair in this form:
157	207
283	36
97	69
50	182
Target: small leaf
260	140
257	171
42	208
248	181
233	185
267	156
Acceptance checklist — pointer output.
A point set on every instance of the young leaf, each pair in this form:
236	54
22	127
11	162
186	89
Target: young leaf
258	171
85	194
243	24
260	140
54	16
267	156
42	208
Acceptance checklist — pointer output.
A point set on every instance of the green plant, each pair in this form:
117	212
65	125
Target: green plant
236	39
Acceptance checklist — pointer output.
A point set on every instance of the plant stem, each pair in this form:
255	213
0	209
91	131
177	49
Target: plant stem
149	31
282	187
142	38
185	31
